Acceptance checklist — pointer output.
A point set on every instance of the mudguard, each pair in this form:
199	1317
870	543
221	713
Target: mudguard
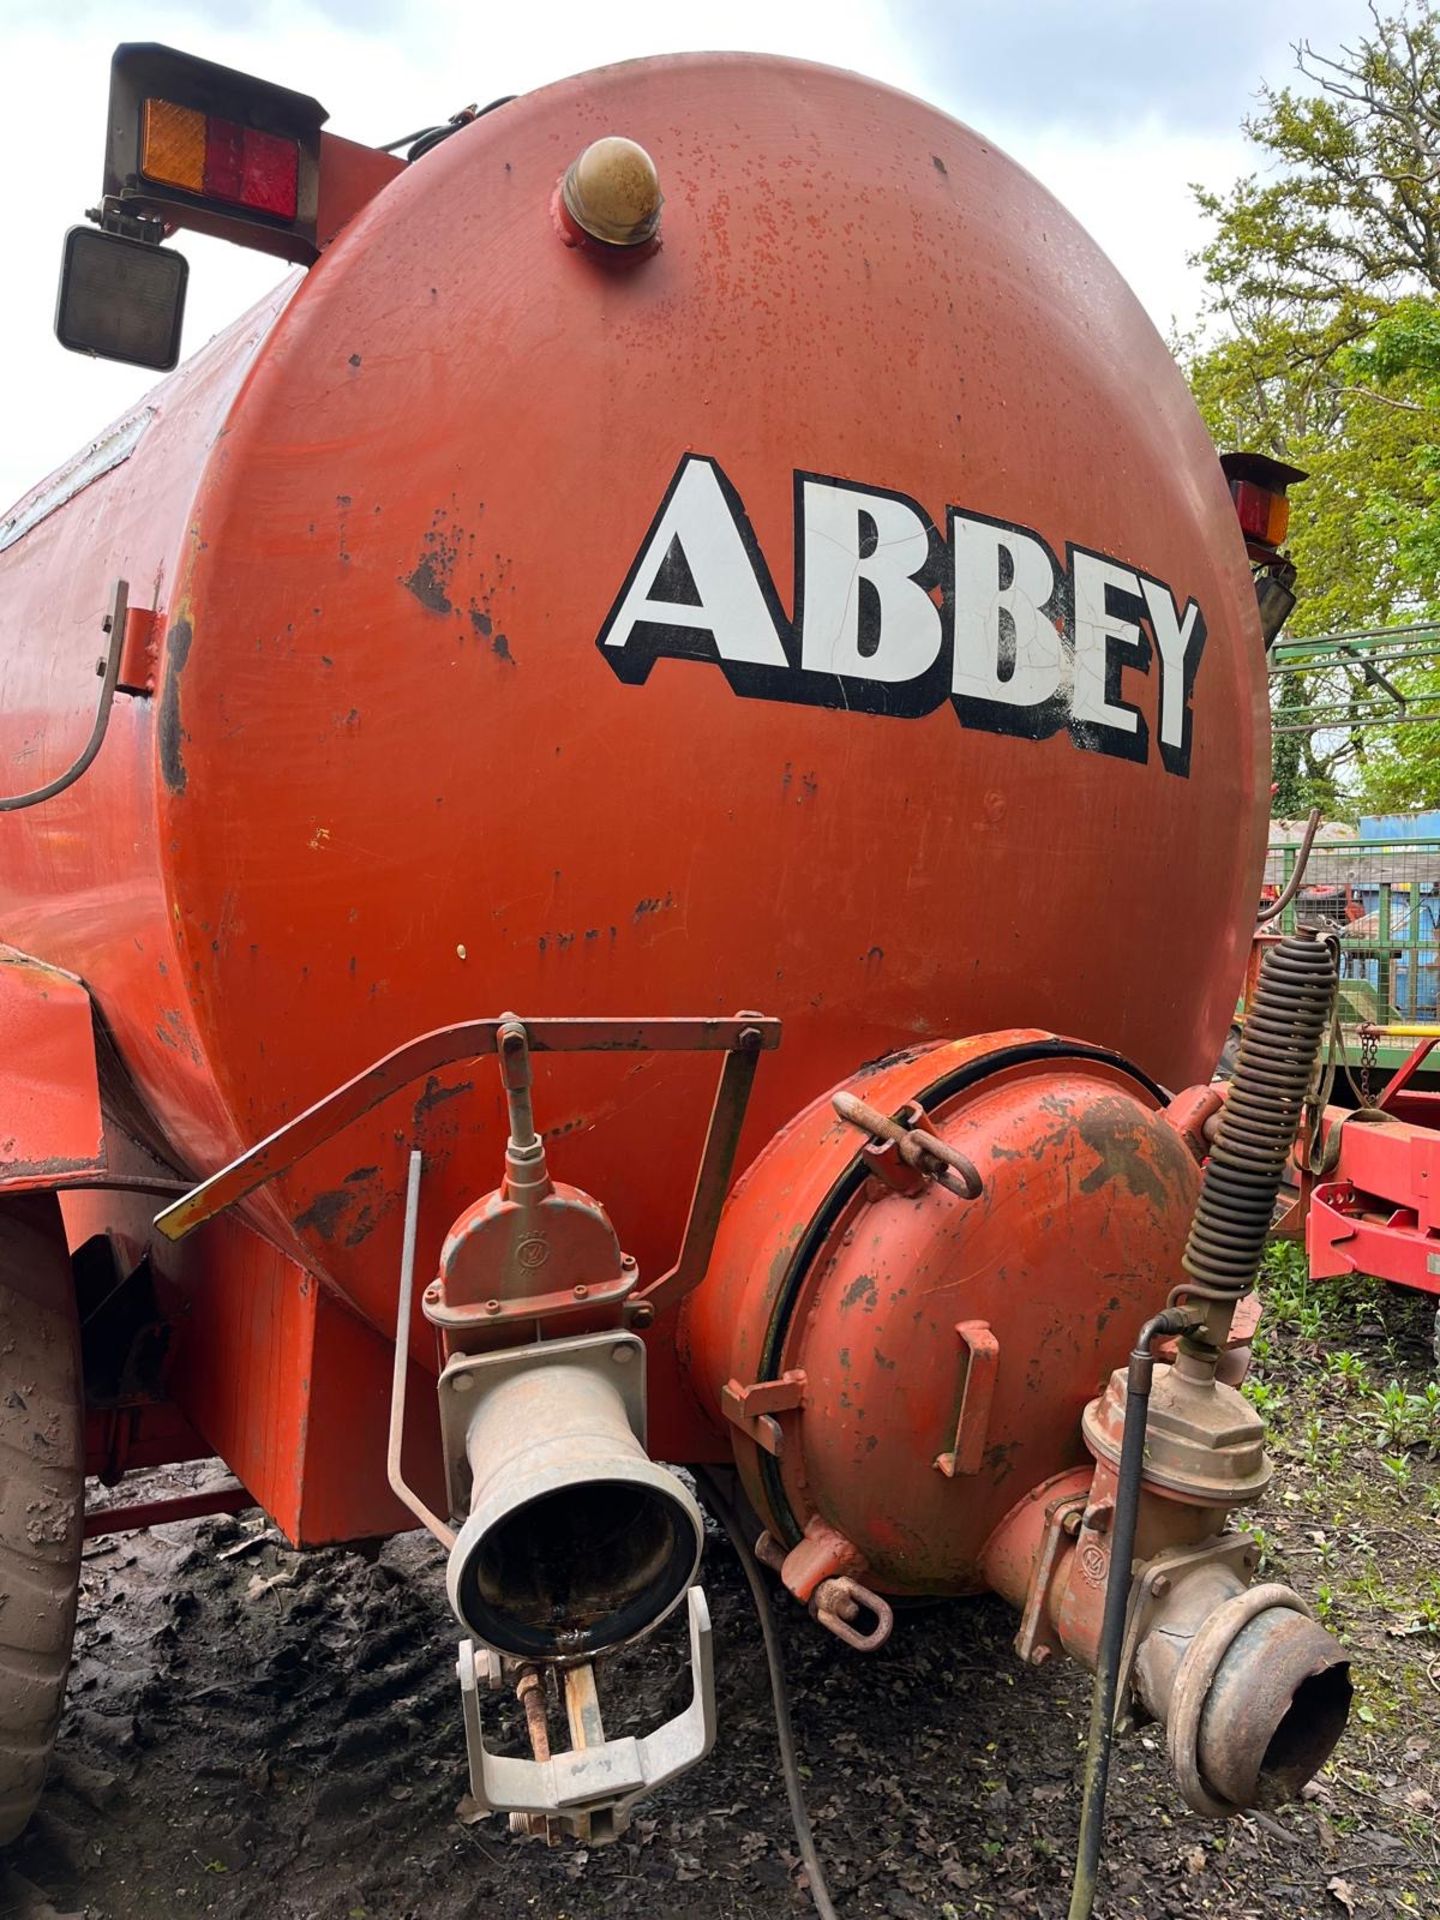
52	1130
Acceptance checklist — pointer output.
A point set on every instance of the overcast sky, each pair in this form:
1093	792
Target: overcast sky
1117	105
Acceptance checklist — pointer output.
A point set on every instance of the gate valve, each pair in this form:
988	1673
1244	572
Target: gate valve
533	1248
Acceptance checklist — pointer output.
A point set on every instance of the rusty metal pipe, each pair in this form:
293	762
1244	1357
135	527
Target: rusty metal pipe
1253	1693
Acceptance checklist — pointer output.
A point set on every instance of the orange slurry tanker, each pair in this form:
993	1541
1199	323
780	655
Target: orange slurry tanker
654	771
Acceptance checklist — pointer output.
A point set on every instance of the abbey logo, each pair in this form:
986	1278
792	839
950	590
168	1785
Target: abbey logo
892	618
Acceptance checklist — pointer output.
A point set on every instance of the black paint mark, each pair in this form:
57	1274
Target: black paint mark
325	1212
171	735
434	1094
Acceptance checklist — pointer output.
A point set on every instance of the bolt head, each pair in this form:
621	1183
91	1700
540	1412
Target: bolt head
432	1292
461	1383
1160	1584
622	1355
492	1306
582	1293
642	1316
1039	1655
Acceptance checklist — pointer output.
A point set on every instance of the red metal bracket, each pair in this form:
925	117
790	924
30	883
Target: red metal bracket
1347	1232
753	1409
228	1497
742	1039
973	1423
139	650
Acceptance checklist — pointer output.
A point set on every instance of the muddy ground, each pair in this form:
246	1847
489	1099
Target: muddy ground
266	1735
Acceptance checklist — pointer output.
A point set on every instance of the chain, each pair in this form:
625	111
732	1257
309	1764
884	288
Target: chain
1369	1054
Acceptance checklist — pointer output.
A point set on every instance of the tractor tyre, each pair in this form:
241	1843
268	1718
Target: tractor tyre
42	1494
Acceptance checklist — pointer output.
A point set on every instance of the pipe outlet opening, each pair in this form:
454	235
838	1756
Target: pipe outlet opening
1274	1711
578	1570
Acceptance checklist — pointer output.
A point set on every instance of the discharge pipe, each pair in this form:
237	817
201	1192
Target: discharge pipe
576	1543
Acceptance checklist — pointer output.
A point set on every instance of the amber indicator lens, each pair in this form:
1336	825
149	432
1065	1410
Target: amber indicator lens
219	159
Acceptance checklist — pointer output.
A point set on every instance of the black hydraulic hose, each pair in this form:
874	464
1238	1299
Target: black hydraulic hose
1129	1479
785	1733
1292	886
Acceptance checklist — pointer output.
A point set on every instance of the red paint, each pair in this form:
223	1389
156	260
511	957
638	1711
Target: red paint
382	521
51	1131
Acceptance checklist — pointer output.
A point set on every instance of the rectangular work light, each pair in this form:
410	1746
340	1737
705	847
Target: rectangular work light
121	299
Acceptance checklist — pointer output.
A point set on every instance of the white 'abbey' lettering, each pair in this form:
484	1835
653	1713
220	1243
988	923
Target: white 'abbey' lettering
890	617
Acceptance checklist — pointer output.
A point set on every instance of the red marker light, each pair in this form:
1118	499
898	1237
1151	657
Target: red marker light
1264	516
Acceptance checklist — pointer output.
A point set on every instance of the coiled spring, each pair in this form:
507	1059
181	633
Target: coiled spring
1283	1030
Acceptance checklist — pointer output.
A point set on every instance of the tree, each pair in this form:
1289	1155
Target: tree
1322	346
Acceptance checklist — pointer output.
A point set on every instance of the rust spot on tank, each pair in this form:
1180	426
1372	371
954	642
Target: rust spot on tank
366	1222
354	360
862	1287
1114	1137
643	907
430	581
170	735
325	1212
173	1033
481	621
500	647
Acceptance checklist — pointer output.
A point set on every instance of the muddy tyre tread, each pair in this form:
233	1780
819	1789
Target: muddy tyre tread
41	1495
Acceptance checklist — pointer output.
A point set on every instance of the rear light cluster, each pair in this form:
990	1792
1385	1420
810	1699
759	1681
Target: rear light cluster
218	159
1264	516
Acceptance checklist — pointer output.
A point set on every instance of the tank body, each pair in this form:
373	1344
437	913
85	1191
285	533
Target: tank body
662	636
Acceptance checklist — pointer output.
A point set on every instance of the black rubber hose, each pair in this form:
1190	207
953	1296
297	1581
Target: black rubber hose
1129	1480
784	1732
